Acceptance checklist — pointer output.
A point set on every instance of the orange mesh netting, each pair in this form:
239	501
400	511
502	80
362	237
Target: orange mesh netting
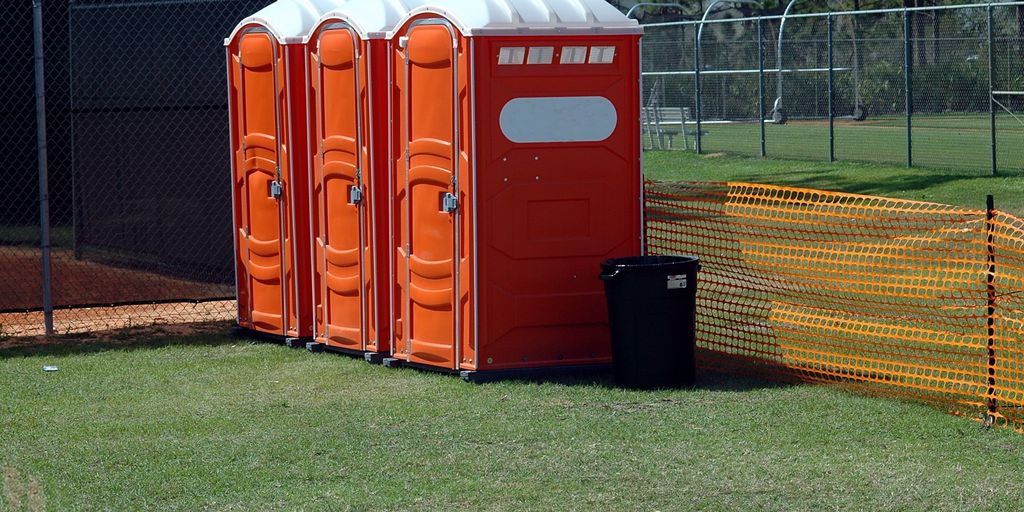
886	296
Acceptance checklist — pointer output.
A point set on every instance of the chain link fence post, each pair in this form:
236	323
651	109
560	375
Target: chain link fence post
831	97
760	83
44	195
991	87
908	86
696	87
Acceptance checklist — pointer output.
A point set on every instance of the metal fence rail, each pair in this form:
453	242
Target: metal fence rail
932	86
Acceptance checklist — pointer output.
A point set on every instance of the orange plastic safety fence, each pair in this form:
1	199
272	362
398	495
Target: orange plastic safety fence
888	296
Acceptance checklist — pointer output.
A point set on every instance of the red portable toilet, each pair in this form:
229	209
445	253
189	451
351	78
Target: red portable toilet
516	172
270	190
348	90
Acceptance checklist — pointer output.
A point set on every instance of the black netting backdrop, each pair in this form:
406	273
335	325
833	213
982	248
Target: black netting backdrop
149	126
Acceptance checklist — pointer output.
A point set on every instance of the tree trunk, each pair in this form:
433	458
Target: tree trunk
934	47
908	4
1020	25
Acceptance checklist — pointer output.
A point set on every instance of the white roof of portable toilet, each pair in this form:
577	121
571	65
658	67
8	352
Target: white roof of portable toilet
372	18
288	20
497	17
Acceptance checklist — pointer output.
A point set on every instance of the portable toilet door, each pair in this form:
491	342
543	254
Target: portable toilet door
267	105
348	90
427	187
516	171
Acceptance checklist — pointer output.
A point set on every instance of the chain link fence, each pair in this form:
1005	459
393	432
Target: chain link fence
936	87
136	121
137	165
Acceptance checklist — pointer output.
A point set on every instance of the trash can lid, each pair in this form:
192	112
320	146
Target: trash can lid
653	262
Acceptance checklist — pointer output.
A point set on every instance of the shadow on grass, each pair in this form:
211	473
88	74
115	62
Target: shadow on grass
716	372
138	338
839	182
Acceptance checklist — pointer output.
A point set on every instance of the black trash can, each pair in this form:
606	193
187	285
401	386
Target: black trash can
651	312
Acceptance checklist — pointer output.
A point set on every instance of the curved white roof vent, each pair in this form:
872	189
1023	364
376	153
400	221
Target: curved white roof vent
288	20
500	17
372	18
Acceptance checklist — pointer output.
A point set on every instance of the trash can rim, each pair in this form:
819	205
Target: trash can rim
653	261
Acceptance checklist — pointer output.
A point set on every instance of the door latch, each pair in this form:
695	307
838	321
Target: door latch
276	189
355	195
449	203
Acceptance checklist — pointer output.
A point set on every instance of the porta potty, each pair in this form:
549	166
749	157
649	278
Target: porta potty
348	79
516	172
270	191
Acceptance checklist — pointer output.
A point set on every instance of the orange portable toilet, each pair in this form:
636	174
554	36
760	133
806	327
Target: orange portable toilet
515	173
270	190
348	77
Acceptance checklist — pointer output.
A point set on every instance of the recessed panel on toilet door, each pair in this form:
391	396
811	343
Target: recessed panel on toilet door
258	187
338	190
430	141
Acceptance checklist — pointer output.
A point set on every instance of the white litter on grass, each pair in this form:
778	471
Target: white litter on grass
50	368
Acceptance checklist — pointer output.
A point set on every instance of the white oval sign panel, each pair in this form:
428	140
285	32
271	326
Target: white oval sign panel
558	119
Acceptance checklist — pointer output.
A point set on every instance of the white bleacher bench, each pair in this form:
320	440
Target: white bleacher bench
658	125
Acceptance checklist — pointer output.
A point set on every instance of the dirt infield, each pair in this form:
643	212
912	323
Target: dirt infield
85	294
122	337
79	282
115	319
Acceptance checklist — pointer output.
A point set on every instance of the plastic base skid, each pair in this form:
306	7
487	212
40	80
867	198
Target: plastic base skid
391	362
315	347
242	332
374	357
296	342
543	373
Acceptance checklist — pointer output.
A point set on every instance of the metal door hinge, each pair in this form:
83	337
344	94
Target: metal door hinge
355	195
276	189
449	203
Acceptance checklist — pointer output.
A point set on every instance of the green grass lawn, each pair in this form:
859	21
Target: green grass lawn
211	422
18	234
957	187
960	141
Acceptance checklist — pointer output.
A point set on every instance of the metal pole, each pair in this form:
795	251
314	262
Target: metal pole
77	217
908	85
44	194
990	229
629	13
696	79
991	100
862	12
831	99
760	84
778	111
